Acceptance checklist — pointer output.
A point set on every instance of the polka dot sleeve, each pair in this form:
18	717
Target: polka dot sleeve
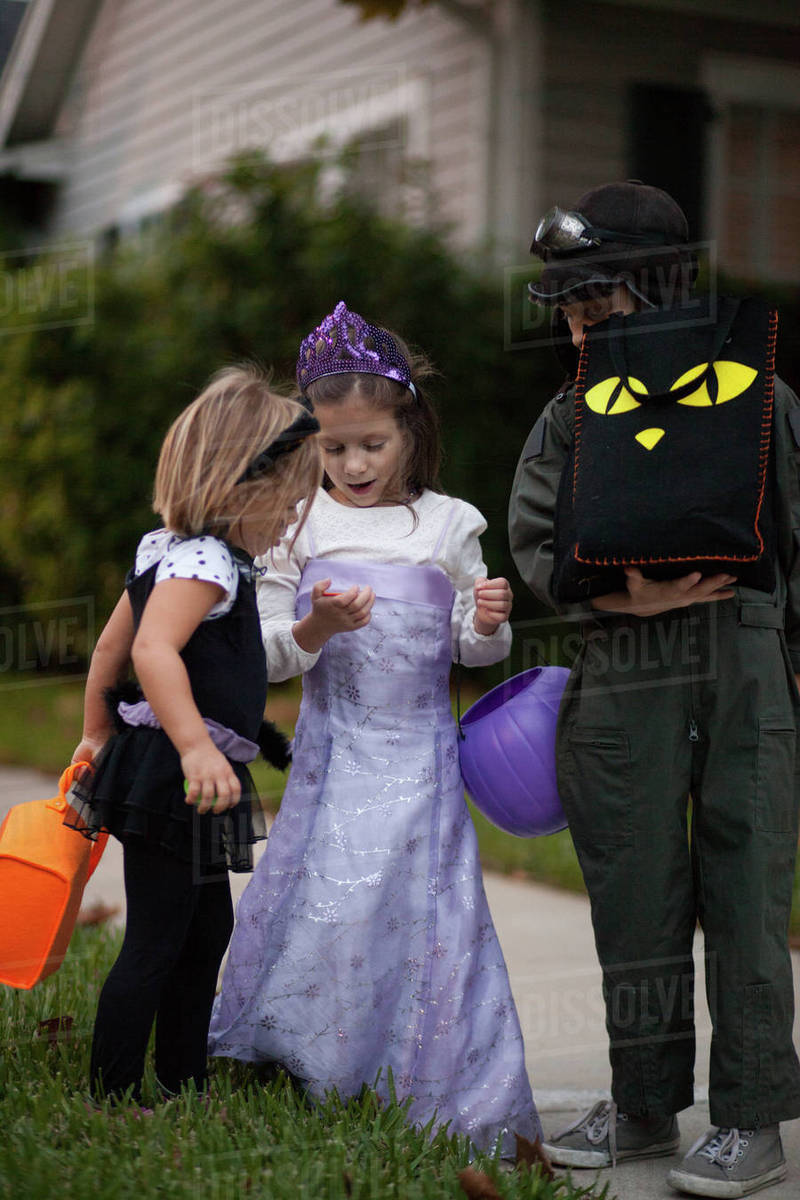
203	557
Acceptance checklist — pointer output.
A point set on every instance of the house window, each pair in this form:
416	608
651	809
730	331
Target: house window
760	202
375	165
667	130
754	202
378	168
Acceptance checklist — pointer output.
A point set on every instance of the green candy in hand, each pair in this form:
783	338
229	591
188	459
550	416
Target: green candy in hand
199	798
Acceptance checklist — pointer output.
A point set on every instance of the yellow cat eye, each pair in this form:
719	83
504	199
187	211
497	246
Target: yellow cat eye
733	378
610	397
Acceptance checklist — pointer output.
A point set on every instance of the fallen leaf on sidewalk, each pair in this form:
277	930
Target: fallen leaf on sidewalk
477	1185
97	914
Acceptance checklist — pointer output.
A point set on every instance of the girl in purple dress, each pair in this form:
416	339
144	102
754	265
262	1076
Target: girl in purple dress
364	947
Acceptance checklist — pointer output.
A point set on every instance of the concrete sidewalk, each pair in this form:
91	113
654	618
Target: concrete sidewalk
547	939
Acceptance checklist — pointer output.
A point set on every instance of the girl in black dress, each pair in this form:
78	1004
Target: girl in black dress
170	778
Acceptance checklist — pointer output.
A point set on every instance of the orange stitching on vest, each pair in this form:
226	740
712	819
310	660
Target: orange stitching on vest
766	421
580	384
673	558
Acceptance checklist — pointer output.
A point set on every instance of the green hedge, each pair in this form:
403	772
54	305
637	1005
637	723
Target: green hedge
242	268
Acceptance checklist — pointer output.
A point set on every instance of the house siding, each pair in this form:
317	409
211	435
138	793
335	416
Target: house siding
152	73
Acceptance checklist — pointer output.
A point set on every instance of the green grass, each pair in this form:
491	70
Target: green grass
550	859
249	1139
40	726
40	723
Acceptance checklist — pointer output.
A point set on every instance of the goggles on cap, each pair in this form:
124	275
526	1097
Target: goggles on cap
563	231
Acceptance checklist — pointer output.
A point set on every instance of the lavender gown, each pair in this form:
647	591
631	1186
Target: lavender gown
364	940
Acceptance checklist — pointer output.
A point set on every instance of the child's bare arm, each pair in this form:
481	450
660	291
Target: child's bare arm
174	610
110	659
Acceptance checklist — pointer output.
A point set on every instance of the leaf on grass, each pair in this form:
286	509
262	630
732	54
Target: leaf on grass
97	914
55	1029
531	1153
477	1185
347	1180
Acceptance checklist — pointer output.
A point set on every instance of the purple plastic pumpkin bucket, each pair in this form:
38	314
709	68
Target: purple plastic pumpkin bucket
508	753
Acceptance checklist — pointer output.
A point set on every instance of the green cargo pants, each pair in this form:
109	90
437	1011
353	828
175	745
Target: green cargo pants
698	702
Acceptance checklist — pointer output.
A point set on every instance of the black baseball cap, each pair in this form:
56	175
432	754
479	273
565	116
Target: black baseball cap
653	257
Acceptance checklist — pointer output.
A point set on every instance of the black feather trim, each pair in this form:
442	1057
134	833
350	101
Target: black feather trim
127	691
274	745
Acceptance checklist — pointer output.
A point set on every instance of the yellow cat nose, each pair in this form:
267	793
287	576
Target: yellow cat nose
649	438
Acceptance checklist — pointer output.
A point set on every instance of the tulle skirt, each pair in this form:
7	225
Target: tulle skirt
136	790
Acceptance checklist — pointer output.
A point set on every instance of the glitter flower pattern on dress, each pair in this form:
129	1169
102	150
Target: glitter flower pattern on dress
371	882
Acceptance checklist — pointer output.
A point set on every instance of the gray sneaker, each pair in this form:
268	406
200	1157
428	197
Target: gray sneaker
603	1136
731	1162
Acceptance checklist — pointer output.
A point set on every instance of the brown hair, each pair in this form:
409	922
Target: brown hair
213	441
415	415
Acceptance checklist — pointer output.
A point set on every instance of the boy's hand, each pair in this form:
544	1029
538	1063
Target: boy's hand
335	613
648	597
493	599
212	783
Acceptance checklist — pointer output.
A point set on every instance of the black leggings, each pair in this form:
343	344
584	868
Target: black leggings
177	930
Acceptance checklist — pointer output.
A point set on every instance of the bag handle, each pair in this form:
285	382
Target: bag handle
96	853
729	306
60	804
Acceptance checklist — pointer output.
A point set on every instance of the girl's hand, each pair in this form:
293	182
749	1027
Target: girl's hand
87	749
649	597
212	783
493	599
340	613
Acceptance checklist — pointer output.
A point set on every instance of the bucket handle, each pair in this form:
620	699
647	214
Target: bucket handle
60	804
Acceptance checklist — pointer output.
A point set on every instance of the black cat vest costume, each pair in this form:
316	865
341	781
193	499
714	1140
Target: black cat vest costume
669	470
137	787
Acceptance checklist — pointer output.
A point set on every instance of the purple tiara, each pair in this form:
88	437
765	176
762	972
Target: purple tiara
345	342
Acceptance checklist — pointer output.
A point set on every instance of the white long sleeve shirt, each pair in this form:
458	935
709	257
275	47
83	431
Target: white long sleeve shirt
446	535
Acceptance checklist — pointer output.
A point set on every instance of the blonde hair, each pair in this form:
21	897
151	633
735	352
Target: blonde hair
212	442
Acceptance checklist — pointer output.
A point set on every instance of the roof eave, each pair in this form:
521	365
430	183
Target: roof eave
40	66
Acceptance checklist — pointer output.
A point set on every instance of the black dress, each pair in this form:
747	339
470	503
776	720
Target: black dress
137	787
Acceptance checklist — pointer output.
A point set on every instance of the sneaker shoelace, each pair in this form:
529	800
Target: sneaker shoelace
599	1123
726	1146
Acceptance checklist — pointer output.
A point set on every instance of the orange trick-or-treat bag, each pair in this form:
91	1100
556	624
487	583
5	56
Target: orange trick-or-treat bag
44	867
